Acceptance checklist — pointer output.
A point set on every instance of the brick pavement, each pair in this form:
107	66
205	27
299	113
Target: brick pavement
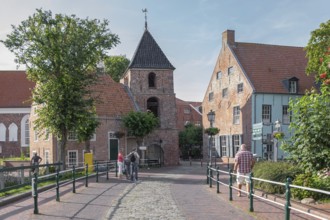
186	193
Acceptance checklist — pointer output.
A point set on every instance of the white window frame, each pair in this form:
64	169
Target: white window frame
223	144
266	113
2	132
285	114
36	135
12	132
93	138
72	136
25	131
46	157
72	161
293	86
236	115
236	143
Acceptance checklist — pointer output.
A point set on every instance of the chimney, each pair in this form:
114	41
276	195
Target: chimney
228	37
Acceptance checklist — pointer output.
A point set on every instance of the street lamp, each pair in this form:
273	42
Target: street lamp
211	118
278	128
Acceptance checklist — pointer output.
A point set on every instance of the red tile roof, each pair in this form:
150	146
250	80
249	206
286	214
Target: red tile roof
268	65
15	89
113	99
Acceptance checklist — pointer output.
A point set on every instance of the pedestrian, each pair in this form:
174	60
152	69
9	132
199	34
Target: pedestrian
134	158
120	161
244	163
35	161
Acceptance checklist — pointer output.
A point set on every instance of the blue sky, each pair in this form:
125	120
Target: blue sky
188	31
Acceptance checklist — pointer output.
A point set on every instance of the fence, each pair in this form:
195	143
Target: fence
98	169
288	186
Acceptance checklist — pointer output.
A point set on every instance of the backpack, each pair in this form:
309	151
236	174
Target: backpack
133	157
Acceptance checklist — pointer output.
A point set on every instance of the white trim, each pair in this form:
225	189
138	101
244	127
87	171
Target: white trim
23	138
77	157
15	110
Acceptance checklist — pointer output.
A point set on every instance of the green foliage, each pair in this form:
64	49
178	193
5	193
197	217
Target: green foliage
59	53
278	135
309	146
115	66
140	124
274	171
312	181
191	136
212	131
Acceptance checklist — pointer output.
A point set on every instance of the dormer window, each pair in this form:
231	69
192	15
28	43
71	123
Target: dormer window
152	80
293	86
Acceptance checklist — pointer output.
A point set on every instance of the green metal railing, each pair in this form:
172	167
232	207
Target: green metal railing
251	195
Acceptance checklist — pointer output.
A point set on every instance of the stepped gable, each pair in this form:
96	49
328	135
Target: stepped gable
112	98
15	89
267	66
149	55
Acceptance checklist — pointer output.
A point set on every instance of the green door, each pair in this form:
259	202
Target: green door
113	145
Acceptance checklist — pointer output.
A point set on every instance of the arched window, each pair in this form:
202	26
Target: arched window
12	132
152	80
152	105
2	132
25	131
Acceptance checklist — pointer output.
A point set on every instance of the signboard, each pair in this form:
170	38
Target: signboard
143	147
257	131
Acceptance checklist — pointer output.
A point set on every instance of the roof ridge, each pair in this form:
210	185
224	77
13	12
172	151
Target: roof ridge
264	44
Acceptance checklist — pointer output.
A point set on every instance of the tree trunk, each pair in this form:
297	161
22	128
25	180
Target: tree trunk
88	146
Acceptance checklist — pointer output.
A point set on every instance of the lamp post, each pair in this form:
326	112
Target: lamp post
278	128
211	117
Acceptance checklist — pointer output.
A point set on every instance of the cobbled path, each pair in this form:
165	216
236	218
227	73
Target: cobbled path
136	202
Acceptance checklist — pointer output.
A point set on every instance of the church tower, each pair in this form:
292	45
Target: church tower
150	81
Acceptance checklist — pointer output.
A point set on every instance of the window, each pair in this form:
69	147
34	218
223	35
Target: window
152	80
292	86
25	131
236	114
285	115
219	75
36	134
198	123
266	113
186	110
152	105
46	134
211	96
46	156
72	158
2	132
236	143
230	70
72	136
93	138
223	143
240	88
225	93
13	132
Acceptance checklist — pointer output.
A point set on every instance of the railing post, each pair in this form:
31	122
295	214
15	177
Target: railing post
35	193
207	173
86	172
211	175
288	197
116	168
251	192
73	179
57	185
230	185
107	170
218	180
97	172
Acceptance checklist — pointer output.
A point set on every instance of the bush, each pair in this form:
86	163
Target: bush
311	181
274	171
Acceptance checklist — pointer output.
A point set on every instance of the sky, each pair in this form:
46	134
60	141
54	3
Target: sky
188	31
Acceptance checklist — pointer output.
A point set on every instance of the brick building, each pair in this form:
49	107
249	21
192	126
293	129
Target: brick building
188	112
252	83
15	96
147	85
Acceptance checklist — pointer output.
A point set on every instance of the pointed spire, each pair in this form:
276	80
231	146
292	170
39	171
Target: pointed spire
145	17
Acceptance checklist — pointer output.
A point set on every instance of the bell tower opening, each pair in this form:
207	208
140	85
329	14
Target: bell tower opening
152	105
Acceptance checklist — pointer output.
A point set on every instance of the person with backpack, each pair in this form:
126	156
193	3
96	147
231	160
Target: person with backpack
134	158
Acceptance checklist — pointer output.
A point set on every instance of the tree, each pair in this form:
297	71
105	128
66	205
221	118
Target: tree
191	136
140	124
115	66
309	145
59	53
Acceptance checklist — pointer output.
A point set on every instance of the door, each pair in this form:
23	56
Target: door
113	148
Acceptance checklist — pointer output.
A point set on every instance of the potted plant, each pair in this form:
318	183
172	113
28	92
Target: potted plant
212	131
279	135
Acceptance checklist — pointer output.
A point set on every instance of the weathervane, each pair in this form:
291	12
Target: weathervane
145	17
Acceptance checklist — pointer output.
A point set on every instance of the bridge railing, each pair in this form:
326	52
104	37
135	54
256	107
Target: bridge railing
213	175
